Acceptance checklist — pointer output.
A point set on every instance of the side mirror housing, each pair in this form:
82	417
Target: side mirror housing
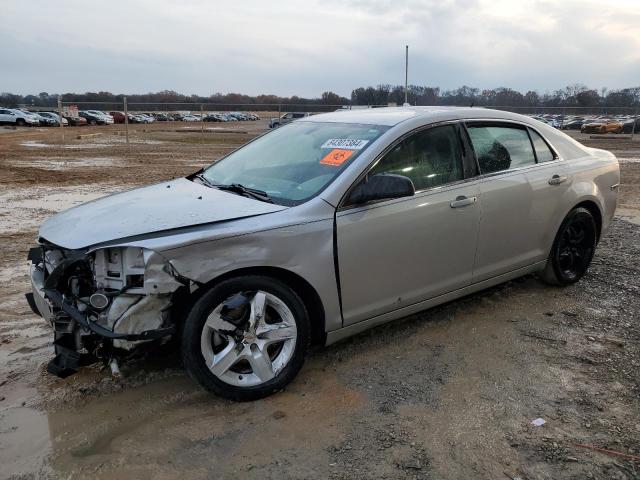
382	186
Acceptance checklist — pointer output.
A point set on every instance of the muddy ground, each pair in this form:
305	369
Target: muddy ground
446	394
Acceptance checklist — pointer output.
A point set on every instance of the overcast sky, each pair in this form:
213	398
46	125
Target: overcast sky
305	47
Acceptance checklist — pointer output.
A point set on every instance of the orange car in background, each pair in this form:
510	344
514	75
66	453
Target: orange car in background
602	126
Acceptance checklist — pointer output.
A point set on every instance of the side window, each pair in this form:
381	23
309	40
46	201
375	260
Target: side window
287	115
543	153
429	158
501	148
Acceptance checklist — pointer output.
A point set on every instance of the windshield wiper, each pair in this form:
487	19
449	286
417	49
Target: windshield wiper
205	181
246	191
236	188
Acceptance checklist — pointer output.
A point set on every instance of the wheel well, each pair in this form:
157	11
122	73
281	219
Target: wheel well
298	284
595	211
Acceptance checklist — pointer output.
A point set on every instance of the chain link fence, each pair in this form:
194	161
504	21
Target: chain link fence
562	117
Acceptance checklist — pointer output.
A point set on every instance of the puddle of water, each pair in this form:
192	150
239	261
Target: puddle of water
24	209
61	163
24	441
34	144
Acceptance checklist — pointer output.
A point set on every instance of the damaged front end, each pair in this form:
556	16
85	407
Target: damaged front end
102	303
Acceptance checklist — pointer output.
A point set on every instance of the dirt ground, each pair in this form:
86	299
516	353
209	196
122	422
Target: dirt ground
446	394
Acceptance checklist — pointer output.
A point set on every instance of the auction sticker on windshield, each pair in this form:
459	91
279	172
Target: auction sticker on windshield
336	157
350	143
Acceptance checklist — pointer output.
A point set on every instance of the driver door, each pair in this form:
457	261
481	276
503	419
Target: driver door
398	252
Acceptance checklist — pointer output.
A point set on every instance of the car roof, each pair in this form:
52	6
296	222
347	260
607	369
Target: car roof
391	116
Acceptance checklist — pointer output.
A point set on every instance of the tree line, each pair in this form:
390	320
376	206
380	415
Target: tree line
576	95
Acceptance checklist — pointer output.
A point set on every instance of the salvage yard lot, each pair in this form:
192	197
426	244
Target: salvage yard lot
448	393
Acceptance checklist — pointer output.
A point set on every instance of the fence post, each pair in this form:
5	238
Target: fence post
202	122
633	125
126	120
61	117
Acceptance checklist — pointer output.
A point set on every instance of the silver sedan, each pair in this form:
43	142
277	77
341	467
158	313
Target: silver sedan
316	231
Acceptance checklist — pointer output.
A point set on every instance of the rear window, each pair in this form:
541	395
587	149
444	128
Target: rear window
543	153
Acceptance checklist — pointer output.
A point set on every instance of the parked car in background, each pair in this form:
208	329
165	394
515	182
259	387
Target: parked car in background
19	118
317	231
631	126
286	118
191	118
76	121
43	120
96	117
573	124
118	117
148	116
602	126
54	118
137	118
161	117
214	117
555	122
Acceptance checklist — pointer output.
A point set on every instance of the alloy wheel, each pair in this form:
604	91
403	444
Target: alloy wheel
253	344
575	248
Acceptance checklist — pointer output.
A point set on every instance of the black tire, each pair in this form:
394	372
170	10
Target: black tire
572	250
194	360
20	122
92	122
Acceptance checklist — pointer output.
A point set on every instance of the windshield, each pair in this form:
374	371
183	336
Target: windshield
295	162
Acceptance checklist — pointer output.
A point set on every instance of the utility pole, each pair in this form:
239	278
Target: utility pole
406	73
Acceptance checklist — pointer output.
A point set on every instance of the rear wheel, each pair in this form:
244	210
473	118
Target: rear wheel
246	338
572	250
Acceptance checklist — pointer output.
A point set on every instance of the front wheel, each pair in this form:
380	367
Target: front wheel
246	338
572	250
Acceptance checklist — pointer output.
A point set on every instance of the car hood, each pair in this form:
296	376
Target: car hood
147	210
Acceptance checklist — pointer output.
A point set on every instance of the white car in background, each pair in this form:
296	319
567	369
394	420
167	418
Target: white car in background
147	118
108	119
191	118
18	117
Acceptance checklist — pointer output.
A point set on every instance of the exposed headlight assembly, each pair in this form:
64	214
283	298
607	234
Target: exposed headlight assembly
120	267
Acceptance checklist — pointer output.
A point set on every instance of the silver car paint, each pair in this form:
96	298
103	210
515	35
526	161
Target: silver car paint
164	206
300	239
397	253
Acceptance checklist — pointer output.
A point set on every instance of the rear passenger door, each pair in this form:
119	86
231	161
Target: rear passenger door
549	181
518	201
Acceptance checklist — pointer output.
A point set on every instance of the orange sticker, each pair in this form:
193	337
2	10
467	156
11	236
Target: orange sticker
336	157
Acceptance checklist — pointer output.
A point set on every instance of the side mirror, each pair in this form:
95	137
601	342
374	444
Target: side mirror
381	186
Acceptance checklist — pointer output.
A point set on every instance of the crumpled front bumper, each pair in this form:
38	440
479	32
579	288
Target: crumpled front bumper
138	320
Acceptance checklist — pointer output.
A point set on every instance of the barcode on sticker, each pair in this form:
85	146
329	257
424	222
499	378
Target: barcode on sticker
348	143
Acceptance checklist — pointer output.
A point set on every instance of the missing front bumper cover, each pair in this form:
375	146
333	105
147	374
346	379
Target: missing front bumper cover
57	299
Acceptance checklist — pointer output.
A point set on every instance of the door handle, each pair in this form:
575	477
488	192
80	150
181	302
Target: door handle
462	201
557	179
